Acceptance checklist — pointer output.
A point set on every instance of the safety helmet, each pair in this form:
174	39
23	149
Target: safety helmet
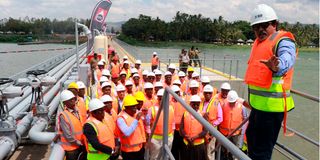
128	83
66	95
134	70
175	88
195	98
123	73
102	60
103	79
205	79
135	75
181	74
232	96
138	61
225	86
105	84
151	74
168	73
106	98
208	88
73	85
194	84
106	72
177	81
100	63
125	57
126	62
262	13
158	84
172	66
195	74
160	92
139	96
157	72
145	72
120	87
148	85
154	53
190	69
81	85
129	100
95	104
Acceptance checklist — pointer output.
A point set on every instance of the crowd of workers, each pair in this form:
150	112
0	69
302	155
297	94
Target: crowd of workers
118	121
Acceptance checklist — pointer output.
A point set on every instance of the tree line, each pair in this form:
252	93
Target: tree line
185	27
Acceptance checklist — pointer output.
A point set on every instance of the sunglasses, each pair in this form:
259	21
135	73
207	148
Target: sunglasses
263	25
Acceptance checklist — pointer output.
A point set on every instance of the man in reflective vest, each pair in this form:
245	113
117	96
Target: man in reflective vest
70	127
130	130
83	94
269	76
80	104
99	135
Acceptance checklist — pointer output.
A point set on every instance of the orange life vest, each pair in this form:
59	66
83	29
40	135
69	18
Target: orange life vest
111	119
232	118
115	68
76	129
82	109
99	74
155	61
134	142
149	102
192	128
158	132
178	112
212	109
258	74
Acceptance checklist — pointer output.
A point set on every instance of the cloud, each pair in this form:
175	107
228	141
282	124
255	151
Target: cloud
304	11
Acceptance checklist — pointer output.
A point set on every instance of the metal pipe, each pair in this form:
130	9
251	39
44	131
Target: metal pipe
6	147
168	151
305	95
77	44
23	125
303	136
283	153
39	137
223	140
295	154
165	106
57	152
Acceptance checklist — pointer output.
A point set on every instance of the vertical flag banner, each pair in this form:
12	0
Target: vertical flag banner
98	19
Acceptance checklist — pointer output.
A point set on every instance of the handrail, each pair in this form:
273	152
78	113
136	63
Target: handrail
165	105
305	95
295	154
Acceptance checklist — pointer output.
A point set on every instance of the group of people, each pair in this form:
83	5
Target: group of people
187	57
118	120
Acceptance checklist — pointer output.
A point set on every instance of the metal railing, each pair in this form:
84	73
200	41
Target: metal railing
166	153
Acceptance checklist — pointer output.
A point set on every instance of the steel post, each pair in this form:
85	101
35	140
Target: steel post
77	44
165	106
230	69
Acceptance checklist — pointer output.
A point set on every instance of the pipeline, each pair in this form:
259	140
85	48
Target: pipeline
57	153
6	147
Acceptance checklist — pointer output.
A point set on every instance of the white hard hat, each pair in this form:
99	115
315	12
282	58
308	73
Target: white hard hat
205	79
66	95
106	72
157	72
232	96
81	85
138	61
136	75
95	104
128	83
160	92
172	66
195	98
181	74
134	70
154	53
208	88
106	98
175	88
120	87
125	57
193	84
262	13
158	84
145	72
103	60
148	85
225	86
126	62
103	79
168	73
195	74
105	84
151	74
177	81
123	72
100	63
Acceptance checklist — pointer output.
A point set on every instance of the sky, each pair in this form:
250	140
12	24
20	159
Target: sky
292	11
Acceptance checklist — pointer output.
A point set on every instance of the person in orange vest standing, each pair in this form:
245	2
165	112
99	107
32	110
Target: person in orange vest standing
172	68
137	65
222	95
167	79
70	128
121	92
213	112
157	138
269	78
100	141
131	130
137	83
179	110
80	104
154	61
115	65
233	114
193	133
